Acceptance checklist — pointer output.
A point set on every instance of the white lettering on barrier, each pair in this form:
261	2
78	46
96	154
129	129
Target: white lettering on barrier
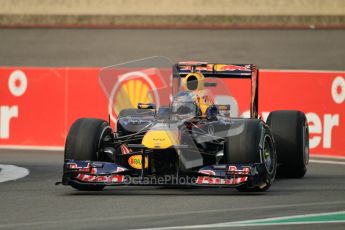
17	85
316	130
330	121
6	114
338	89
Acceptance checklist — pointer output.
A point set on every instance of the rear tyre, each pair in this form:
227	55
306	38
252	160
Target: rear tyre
291	135
83	143
250	146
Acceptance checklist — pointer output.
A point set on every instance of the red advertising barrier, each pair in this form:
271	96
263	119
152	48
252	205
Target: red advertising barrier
38	105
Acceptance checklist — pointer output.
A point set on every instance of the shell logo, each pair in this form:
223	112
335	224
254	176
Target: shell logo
135	161
130	89
131	93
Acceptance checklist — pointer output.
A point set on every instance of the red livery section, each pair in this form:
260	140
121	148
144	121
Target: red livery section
216	180
38	105
101	179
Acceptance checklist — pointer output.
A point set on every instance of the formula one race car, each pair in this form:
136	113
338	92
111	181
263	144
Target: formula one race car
192	140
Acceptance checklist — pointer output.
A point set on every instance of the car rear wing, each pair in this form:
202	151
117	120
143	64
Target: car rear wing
218	70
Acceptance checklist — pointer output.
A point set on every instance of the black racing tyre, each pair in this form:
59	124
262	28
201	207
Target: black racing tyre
291	135
83	142
250	146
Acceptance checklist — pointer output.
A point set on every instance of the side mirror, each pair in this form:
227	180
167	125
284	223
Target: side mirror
146	106
223	107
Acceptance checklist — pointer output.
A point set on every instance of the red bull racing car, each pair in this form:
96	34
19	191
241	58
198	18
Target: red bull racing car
192	140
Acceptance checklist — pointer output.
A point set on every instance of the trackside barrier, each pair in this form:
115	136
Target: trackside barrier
38	105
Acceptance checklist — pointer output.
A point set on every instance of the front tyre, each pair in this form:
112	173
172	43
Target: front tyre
83	143
253	145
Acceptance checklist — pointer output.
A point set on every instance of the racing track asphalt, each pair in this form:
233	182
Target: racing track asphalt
34	202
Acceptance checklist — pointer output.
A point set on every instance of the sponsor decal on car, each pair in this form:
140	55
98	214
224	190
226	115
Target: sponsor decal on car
103	179
79	168
234	170
207	172
220	181
221	67
239	175
135	161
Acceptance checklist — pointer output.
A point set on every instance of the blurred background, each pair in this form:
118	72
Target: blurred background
172	28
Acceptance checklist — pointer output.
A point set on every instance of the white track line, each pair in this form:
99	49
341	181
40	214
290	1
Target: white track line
12	172
327	162
256	222
236	225
289	217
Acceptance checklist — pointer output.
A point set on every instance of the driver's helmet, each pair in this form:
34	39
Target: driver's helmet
193	81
